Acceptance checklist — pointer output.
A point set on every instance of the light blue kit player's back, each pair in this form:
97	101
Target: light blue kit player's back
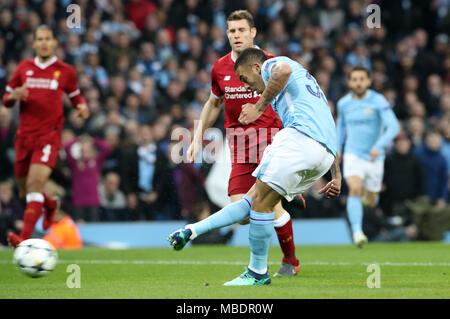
302	104
304	150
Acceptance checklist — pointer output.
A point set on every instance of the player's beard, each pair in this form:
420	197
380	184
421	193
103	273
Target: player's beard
360	94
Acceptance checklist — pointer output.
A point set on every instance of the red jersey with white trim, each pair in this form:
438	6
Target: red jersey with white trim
46	83
225	84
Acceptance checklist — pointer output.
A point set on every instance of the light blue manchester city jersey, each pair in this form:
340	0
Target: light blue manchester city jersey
365	124
302	104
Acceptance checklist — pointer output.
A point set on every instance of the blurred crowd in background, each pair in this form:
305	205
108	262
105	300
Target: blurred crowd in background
144	69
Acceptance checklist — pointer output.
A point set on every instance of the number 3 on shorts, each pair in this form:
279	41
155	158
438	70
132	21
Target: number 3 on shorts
46	153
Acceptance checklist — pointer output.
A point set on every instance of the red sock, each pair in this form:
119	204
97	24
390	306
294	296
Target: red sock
32	213
286	239
49	203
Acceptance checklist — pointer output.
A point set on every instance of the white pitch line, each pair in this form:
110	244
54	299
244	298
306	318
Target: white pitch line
224	262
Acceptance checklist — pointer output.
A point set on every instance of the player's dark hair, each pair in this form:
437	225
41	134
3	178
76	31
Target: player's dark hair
43	27
248	56
241	15
359	68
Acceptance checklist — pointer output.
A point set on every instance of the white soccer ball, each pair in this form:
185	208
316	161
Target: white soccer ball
35	257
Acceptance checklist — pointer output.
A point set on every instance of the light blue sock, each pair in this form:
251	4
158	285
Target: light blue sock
355	213
260	232
229	215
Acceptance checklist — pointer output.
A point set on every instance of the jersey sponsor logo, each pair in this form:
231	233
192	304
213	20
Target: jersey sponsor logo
360	122
40	83
239	92
368	111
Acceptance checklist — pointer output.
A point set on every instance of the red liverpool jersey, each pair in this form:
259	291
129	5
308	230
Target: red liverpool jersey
46	84
225	84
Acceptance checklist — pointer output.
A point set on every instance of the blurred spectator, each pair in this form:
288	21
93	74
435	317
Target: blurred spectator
86	162
434	166
189	182
416	129
64	233
138	10
121	46
147	178
379	228
331	18
133	111
147	63
113	205
11	212
112	133
7	134
445	150
96	71
403	179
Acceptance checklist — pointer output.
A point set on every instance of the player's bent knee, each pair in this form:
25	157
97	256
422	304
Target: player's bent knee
279	210
355	192
369	201
35	185
260	205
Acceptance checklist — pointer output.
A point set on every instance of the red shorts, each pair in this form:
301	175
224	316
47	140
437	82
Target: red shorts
42	149
241	179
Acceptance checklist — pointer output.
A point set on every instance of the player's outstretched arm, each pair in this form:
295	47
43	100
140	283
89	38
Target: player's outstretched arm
210	113
333	188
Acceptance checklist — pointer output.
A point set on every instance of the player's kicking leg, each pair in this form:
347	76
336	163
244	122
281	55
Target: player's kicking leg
260	232
235	212
229	215
290	265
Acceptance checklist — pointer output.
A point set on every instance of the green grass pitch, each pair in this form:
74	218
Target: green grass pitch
416	270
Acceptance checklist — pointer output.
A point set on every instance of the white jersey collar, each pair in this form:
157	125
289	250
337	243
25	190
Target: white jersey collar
233	58
46	64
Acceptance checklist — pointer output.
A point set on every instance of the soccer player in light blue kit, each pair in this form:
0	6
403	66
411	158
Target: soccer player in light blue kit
367	124
300	154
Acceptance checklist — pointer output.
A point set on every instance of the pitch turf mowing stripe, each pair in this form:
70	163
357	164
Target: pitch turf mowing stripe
237	263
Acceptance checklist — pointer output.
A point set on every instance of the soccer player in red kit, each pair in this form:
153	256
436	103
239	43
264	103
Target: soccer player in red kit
226	87
38	85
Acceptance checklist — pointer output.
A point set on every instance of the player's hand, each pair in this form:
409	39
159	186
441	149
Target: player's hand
193	149
83	111
374	154
19	94
249	114
332	189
